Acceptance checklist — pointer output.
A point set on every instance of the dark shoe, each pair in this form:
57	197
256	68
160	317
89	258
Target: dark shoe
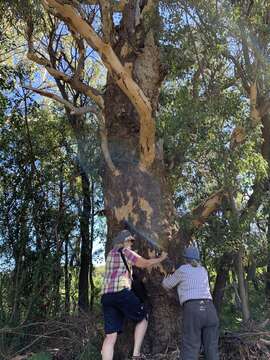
139	357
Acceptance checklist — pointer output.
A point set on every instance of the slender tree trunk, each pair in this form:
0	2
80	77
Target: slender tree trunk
85	258
251	273
16	291
221	280
67	279
19	253
59	239
238	263
81	134
265	150
92	223
242	286
267	278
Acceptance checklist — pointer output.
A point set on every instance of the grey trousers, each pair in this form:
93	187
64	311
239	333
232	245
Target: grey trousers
200	326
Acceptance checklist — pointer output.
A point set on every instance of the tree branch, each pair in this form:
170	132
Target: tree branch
81	111
81	60
208	206
239	70
117	6
118	72
107	24
52	96
254	112
105	146
148	7
73	81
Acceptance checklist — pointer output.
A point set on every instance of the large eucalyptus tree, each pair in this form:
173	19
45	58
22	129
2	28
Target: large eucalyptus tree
70	39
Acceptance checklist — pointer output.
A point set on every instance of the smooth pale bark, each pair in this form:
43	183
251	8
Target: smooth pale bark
242	285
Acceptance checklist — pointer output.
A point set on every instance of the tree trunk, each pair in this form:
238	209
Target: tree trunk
59	239
91	279
138	194
19	250
221	279
267	277
78	125
85	240
67	279
241	285
266	154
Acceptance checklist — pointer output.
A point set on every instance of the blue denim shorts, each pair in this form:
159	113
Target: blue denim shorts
118	306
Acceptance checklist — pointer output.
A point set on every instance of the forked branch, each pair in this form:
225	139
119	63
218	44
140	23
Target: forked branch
71	16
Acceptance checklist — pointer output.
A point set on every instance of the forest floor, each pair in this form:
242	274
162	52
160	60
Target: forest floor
80	338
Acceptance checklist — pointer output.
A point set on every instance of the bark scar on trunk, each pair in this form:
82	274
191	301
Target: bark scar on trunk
146	207
126	211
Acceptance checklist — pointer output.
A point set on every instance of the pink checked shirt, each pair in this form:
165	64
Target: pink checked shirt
116	276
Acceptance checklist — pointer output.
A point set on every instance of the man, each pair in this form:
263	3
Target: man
118	300
200	321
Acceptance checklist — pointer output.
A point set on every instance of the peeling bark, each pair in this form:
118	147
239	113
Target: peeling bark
140	193
107	22
202	212
254	112
119	74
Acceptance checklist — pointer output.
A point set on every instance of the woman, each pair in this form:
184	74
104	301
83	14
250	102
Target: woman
200	321
118	300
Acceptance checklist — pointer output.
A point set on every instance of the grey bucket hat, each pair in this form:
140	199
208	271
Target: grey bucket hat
123	236
192	253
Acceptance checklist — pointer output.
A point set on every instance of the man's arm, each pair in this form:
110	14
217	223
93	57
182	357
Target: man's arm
141	262
171	281
144	263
